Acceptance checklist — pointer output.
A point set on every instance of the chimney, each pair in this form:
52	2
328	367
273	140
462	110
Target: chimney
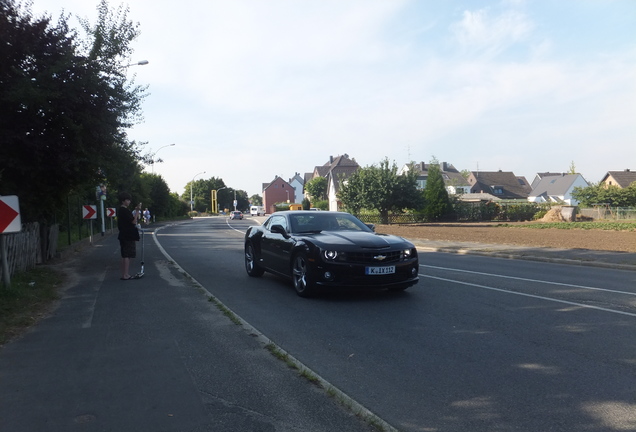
331	159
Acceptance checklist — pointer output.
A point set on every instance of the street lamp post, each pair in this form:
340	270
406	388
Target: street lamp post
192	184
153	156
139	63
215	198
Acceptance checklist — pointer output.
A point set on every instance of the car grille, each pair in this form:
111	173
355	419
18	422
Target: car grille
374	257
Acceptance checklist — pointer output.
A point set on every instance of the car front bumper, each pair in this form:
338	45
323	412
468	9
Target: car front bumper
328	274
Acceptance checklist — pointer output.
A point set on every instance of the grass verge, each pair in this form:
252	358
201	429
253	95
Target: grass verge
27	299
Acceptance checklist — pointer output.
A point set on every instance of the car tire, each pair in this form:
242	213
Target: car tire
251	266
301	276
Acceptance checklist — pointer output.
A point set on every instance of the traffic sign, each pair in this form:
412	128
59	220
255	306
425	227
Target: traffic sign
10	214
89	212
111	212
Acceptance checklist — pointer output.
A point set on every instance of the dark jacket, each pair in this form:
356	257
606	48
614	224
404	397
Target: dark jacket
127	229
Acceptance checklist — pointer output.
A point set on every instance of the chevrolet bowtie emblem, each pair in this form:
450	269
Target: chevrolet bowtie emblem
379	257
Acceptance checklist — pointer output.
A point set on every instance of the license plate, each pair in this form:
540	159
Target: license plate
379	270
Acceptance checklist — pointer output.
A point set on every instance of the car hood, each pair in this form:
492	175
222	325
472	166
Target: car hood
365	240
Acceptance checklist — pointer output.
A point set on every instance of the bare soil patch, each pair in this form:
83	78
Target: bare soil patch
516	234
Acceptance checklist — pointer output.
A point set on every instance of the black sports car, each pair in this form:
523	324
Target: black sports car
325	249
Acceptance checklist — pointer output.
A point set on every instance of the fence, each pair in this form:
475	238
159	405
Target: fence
34	244
499	211
464	212
609	213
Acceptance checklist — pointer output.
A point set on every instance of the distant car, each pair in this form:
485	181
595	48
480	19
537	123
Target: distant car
329	249
236	215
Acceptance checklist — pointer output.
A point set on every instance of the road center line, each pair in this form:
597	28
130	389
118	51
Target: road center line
532	296
227	221
531	280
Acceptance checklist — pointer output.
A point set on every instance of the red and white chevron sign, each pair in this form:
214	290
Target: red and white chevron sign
89	212
111	212
10	214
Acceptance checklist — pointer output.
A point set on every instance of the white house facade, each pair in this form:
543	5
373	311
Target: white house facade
557	189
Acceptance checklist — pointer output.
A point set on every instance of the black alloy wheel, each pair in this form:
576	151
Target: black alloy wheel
251	266
301	276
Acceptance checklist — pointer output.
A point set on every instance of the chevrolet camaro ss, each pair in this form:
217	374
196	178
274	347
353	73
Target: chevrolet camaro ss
329	249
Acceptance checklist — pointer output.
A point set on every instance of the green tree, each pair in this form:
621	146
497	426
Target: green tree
256	200
242	201
317	188
65	104
572	168
599	194
437	203
177	207
199	190
380	187
156	196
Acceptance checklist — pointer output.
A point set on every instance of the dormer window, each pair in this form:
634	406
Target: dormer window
497	190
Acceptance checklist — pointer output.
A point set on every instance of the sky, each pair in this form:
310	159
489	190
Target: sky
248	90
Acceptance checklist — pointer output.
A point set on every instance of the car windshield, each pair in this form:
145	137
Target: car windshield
326	221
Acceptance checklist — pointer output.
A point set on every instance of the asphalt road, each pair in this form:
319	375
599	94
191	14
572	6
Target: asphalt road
480	344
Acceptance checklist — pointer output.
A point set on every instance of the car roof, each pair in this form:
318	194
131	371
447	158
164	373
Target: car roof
310	212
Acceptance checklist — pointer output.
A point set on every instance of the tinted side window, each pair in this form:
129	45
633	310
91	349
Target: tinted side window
277	220
268	223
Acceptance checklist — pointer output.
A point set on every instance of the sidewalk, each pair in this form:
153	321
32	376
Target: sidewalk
152	354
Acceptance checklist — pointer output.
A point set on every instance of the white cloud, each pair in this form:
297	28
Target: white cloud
482	32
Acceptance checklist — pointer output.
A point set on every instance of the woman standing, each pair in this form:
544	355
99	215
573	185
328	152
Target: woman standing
128	233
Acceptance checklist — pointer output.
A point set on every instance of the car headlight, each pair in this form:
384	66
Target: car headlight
330	255
407	253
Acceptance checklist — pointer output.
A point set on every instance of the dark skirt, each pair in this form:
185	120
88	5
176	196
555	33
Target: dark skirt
128	248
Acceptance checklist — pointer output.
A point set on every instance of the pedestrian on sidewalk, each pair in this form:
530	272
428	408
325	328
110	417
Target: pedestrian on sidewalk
128	233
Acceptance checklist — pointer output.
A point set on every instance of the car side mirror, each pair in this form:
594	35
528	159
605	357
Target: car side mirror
278	229
371	226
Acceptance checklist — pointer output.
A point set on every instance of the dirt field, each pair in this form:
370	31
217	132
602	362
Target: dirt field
624	241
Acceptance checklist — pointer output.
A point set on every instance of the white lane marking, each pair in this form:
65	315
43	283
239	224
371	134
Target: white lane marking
531	280
227	221
532	296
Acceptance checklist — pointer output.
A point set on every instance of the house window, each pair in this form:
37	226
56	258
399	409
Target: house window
497	190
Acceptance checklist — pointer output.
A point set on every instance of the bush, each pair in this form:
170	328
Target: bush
322	205
540	214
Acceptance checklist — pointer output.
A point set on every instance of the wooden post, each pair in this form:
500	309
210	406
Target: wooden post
6	277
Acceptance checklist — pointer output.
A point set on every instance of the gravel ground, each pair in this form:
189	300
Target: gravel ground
516	234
